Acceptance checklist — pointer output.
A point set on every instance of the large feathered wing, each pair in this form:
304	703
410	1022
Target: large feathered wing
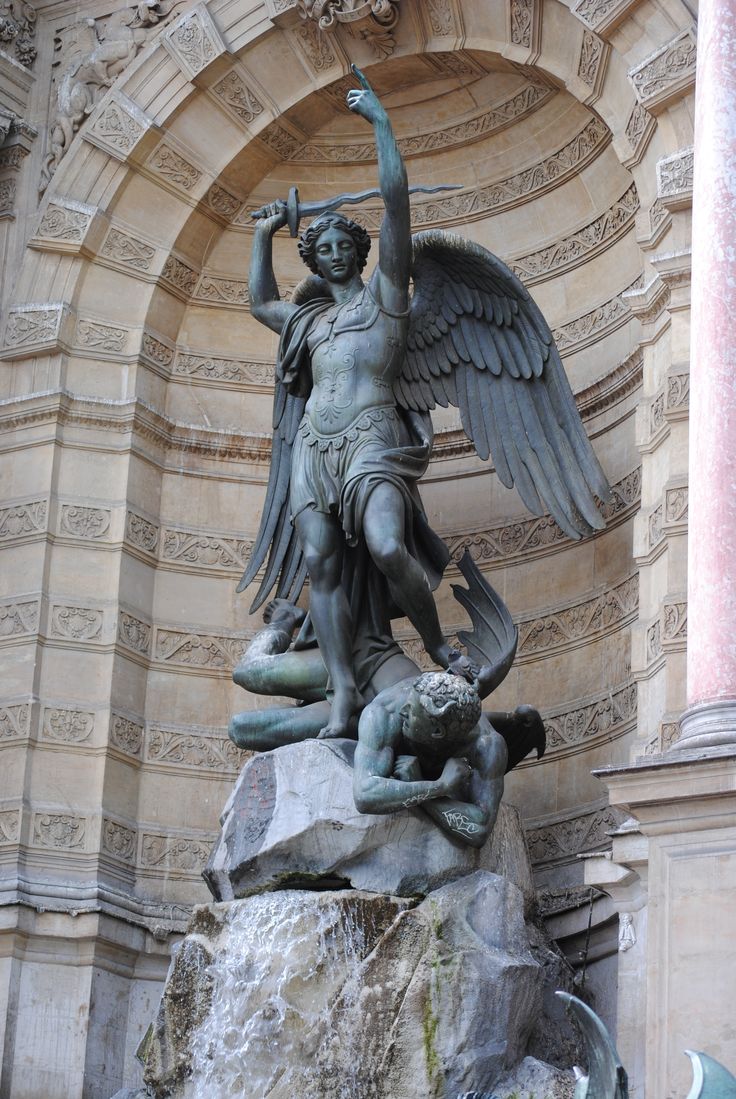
478	341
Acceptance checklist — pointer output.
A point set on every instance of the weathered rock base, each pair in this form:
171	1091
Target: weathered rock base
352	995
291	822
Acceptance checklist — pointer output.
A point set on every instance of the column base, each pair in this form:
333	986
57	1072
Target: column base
707	725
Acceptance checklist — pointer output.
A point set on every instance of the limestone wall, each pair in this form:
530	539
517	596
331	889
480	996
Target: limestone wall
135	408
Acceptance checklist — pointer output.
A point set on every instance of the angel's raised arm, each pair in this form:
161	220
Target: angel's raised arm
394	250
265	303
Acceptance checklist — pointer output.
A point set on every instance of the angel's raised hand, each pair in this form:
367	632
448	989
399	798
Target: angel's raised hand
272	217
364	101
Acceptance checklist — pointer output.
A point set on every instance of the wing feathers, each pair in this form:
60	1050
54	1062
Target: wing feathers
479	341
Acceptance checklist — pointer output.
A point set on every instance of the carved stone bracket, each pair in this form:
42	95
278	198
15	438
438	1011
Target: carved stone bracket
667	73
372	20
675	179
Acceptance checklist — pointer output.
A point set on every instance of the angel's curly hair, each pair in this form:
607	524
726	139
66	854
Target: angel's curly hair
308	240
449	698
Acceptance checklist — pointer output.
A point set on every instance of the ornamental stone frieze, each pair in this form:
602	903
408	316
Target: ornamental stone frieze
666	74
373	21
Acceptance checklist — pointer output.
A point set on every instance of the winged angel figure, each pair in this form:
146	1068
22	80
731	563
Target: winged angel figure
360	366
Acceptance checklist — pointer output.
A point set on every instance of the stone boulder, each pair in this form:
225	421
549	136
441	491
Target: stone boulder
291	822
332	994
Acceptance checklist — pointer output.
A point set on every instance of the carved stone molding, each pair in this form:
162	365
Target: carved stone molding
156	351
23	519
179	276
676	502
194	41
574	624
133	415
207	368
563	840
133	633
675	180
603	15
581	245
668	631
141	533
170	166
198	651
119	127
128	251
218	290
280	140
539	535
639	128
524	17
222	202
238	98
82	624
119	841
315	46
593	325
9	827
64	223
15	721
524	185
19	619
482	124
68	726
35	326
126	735
592	62
667	73
674	398
100	337
193	748
442	18
175	855
88	523
8	192
601	718
200	550
59	831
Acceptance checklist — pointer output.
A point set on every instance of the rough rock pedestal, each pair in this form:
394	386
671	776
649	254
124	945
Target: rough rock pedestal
419	975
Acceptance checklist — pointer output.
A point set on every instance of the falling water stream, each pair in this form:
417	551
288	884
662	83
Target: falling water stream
284	963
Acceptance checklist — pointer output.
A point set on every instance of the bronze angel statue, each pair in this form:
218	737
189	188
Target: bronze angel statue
360	367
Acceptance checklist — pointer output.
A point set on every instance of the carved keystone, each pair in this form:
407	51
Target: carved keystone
194	42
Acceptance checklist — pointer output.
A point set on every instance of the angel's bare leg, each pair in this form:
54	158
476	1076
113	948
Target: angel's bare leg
262	730
383	528
267	668
322	543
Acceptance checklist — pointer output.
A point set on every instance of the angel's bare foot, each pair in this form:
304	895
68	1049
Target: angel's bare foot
283	614
343	715
457	664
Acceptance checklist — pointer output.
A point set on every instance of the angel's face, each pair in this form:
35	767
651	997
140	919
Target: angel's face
335	255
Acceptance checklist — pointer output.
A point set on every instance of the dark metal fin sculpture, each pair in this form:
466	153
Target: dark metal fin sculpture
607	1076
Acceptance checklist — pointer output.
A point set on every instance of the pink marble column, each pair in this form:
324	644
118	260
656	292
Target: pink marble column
710	719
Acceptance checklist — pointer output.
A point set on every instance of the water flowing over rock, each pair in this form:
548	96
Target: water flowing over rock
349	995
291	821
